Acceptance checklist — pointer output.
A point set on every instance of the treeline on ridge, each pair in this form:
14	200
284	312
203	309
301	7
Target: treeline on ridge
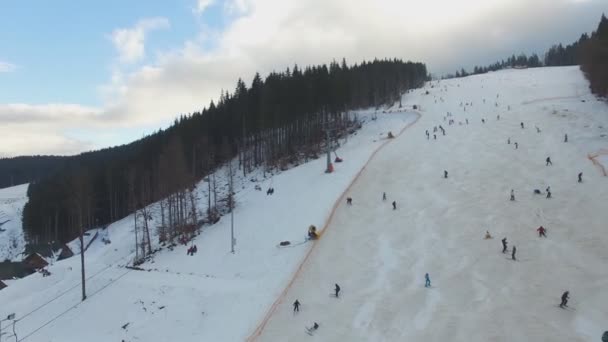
590	52
272	123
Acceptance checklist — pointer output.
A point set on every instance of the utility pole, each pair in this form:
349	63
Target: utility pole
231	203
330	167
84	293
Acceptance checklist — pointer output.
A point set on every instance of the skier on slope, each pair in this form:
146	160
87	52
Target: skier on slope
296	306
394	205
384	196
337	290
516	145
541	231
487	236
548	161
521	124
566	138
565	297
445	174
427	280
580	177
513	253
512	195
504	245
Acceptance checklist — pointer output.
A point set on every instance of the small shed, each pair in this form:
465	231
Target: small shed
35	261
66	252
10	270
2	285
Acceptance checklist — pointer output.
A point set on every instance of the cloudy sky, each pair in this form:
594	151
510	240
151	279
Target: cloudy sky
81	75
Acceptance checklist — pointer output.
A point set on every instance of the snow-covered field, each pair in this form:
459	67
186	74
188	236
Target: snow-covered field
12	201
211	296
378	255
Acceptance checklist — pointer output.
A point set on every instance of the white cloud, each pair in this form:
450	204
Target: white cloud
201	6
7	67
130	41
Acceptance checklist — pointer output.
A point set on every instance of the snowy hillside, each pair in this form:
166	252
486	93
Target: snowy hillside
12	201
194	296
380	256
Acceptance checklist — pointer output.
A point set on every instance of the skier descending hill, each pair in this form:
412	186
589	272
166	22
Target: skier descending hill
504	245
565	297
427	280
337	291
296	306
541	231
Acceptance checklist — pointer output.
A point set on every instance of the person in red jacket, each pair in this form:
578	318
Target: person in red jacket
541	231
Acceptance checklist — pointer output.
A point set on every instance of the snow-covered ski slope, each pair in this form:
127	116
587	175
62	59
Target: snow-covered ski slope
12	201
211	296
380	256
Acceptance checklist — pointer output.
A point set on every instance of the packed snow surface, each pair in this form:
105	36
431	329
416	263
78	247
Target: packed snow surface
378	255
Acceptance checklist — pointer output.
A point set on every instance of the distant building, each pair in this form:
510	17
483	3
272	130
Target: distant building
10	270
66	252
35	262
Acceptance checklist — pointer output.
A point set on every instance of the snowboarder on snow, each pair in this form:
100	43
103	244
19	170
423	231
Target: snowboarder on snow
296	306
314	327
512	195
580	177
488	236
427	280
337	290
565	297
513	253
548	160
504	245
548	194
541	231
394	205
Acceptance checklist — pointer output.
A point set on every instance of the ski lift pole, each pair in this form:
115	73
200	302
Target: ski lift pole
327	143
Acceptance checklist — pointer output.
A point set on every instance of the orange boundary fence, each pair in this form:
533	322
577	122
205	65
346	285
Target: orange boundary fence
258	331
593	156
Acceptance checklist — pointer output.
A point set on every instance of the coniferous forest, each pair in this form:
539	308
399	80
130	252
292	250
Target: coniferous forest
274	122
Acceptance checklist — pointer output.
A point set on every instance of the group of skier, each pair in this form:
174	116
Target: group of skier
542	232
315	325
